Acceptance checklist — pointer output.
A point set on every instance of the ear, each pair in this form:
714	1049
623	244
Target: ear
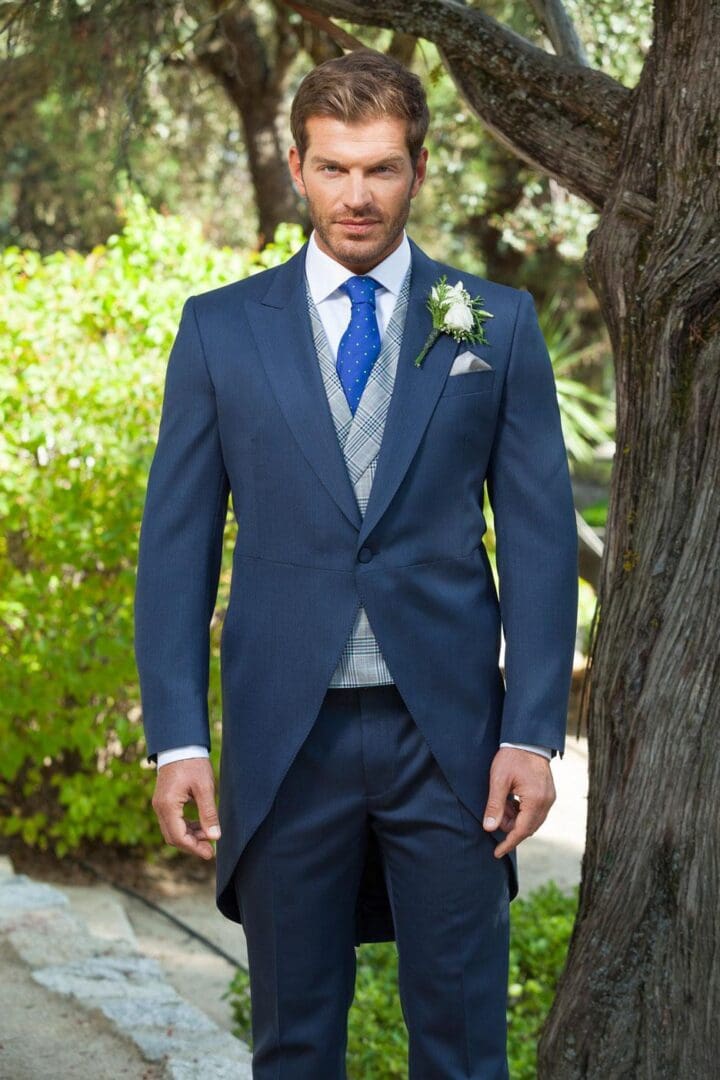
420	172
295	166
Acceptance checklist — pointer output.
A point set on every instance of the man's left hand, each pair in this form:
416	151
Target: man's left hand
528	777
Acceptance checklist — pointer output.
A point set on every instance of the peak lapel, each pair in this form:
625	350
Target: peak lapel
280	324
415	391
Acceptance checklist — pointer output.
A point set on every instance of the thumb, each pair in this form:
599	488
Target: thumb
495	807
207	812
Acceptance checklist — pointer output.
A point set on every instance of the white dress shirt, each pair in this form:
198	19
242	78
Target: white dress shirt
325	275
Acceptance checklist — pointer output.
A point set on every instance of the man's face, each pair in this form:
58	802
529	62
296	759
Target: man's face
358	181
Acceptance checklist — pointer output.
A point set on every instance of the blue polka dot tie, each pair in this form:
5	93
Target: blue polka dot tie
359	346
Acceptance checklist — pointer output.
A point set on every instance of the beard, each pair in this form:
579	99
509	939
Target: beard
361	252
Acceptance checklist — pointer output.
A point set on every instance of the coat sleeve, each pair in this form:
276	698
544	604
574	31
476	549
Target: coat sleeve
536	536
180	551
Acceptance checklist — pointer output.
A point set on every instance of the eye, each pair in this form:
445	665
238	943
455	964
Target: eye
329	168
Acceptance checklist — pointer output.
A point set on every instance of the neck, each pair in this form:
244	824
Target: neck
359	267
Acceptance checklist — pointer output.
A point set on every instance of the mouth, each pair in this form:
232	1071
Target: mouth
358	226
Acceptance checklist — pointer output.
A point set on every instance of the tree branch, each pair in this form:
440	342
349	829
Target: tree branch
338	35
402	47
558	115
558	25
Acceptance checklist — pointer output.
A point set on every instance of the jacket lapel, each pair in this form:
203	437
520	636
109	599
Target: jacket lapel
415	391
281	326
280	323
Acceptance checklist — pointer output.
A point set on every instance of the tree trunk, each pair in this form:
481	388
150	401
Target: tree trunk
275	198
253	77
640	995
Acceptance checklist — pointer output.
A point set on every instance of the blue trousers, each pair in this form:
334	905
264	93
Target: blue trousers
366	765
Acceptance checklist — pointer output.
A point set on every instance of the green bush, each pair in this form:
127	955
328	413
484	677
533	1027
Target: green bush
541	925
85	341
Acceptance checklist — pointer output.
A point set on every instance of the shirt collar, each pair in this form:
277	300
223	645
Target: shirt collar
325	275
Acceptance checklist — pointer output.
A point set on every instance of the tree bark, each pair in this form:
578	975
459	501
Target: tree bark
640	994
553	17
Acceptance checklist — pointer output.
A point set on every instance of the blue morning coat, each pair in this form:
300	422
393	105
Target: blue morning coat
245	411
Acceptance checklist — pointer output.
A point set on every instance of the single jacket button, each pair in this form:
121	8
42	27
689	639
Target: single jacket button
365	554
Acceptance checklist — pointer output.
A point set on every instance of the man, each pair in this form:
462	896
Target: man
377	772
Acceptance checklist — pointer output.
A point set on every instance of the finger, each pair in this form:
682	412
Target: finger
196	844
496	805
163	830
160	815
204	793
178	784
177	831
186	838
512	807
197	830
527	821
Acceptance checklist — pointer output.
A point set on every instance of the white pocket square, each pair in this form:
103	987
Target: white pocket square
468	361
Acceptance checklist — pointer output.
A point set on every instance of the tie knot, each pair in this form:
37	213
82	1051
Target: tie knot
361	289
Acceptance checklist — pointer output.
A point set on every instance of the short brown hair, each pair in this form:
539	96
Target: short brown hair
360	85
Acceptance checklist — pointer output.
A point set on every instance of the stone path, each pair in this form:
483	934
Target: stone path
45	1035
120	995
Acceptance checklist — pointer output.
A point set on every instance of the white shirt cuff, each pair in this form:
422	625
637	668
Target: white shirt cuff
545	751
164	757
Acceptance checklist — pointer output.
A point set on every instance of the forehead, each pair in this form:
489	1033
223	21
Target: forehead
329	137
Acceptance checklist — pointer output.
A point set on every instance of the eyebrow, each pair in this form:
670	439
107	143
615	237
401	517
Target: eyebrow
392	159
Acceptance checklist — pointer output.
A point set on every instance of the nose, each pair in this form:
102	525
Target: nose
356	194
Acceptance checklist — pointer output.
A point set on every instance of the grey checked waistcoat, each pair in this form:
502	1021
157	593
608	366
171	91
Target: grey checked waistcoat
361	663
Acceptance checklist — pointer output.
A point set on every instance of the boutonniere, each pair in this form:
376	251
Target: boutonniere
454	312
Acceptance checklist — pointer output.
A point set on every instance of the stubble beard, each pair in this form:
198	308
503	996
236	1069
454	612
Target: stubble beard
360	254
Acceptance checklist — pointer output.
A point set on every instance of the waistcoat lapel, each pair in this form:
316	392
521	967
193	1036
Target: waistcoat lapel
360	436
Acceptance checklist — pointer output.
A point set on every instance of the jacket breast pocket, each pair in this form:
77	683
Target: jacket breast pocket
470	382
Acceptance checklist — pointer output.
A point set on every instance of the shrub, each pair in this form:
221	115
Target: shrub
85	341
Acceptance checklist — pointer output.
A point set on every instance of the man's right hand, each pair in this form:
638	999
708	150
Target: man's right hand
180	782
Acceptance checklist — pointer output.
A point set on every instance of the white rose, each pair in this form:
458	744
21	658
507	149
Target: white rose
456	293
459	317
